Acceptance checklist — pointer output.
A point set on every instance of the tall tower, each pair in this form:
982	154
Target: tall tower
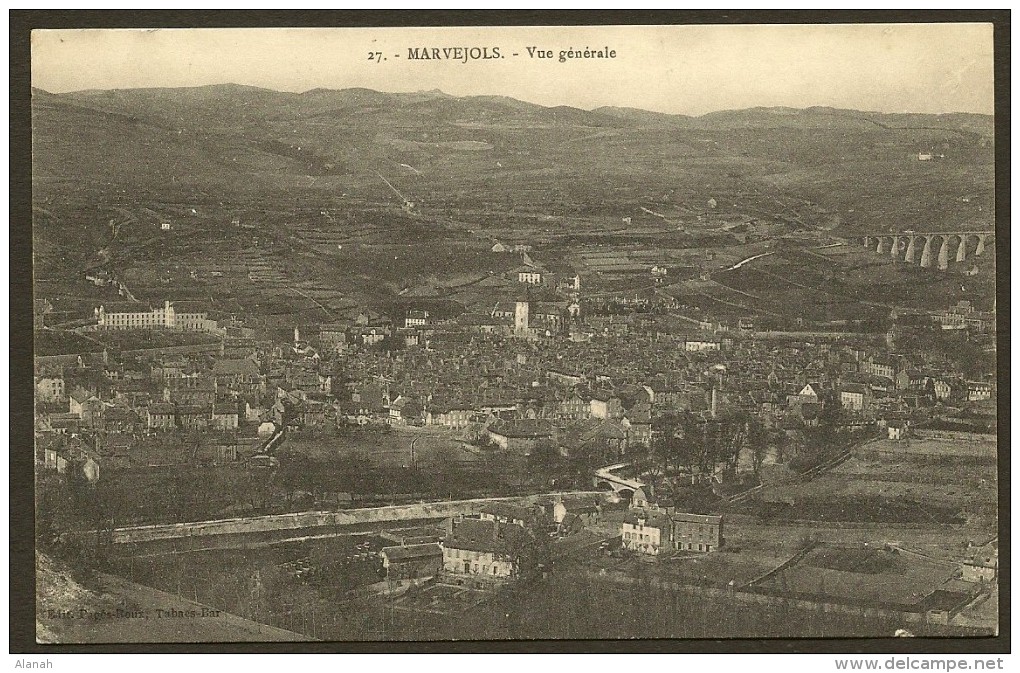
521	318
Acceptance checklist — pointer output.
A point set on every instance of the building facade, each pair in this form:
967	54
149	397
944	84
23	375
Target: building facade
49	389
697	532
164	317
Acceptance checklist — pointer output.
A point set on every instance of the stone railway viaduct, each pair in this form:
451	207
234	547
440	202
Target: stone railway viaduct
930	249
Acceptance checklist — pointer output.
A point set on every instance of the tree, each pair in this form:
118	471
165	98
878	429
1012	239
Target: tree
298	471
830	417
258	489
758	443
545	462
527	549
640	455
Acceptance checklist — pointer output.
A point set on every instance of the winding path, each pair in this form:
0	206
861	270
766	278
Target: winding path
750	259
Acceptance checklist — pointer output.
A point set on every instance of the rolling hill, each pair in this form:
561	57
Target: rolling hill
229	142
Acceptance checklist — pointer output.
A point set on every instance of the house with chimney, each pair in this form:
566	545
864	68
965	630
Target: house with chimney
646	531
484	550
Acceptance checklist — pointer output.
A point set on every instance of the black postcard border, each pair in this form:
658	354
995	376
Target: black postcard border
22	545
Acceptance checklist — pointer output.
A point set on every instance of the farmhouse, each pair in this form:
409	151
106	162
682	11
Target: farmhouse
412	562
645	531
483	549
696	532
521	435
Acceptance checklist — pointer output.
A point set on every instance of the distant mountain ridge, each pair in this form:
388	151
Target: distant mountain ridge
318	100
496	154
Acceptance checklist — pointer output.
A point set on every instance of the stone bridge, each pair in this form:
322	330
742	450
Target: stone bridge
931	249
605	480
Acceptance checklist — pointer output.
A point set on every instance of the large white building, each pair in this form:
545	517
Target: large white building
701	345
164	317
530	276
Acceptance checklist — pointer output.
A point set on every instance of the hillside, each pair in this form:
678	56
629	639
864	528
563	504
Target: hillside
280	206
240	142
114	610
230	141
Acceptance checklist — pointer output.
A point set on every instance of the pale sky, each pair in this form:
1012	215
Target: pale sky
931	68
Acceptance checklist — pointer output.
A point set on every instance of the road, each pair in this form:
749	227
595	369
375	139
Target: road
749	259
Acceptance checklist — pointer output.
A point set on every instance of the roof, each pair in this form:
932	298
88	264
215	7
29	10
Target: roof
651	518
856	388
187	306
411	551
525	428
683	517
127	307
507	510
476	319
590	429
120	413
63	421
227	367
80	394
484	535
160	408
639	416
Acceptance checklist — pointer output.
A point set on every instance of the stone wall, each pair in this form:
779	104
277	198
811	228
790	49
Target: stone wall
302	520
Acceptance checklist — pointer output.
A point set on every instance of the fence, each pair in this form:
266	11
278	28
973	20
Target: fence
958	435
751	596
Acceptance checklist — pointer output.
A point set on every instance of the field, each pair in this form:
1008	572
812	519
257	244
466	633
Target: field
864	575
725	568
844	283
279	213
934	497
942	480
391	448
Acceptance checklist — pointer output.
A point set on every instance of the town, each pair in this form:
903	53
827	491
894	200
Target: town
348	365
653	432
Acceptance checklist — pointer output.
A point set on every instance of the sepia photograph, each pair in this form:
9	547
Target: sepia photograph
519	333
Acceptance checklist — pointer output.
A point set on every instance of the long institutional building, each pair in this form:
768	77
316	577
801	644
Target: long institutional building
130	316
